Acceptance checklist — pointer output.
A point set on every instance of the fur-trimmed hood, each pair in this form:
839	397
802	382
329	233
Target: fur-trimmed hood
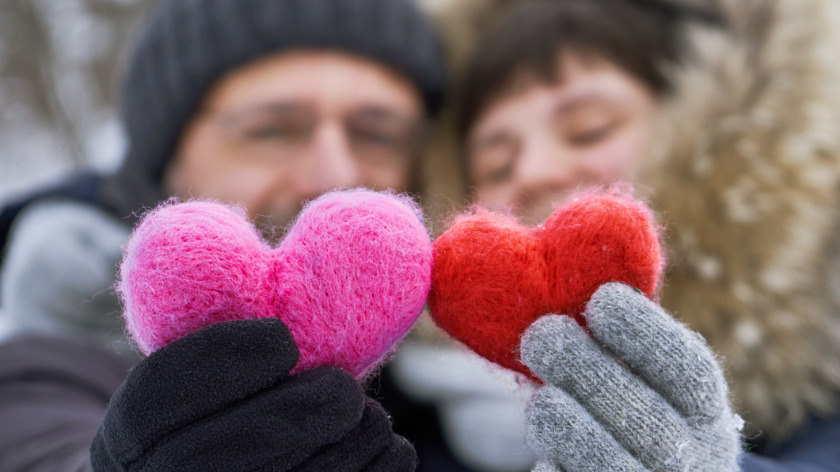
746	180
747	183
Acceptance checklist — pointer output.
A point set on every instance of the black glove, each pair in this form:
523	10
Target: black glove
222	399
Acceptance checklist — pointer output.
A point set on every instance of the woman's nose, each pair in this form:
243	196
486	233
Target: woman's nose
545	167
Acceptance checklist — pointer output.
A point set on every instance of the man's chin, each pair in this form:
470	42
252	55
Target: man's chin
274	227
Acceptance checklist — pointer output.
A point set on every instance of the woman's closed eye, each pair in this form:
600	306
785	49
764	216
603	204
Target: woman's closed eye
591	135
587	123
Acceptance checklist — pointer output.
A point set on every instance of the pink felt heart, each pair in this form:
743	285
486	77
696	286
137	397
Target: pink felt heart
349	279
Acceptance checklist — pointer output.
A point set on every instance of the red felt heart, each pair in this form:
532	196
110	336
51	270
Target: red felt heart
492	277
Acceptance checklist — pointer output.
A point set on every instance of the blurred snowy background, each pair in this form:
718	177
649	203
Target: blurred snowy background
60	62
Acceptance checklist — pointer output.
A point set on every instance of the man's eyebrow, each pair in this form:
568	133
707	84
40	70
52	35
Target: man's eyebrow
278	106
281	106
378	112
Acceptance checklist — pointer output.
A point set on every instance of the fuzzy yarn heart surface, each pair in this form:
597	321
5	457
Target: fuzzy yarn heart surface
493	277
349	279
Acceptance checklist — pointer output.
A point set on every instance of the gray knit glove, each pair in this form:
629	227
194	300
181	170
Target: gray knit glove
646	394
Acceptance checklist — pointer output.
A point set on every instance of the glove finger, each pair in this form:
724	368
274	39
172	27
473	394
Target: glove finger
400	456
358	448
565	435
672	359
276	430
558	350
194	377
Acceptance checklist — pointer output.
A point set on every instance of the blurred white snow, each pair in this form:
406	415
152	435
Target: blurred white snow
59	68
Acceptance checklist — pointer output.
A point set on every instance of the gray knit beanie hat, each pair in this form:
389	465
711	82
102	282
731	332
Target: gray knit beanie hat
187	45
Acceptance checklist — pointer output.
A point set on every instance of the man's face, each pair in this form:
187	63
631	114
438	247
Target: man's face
538	143
285	129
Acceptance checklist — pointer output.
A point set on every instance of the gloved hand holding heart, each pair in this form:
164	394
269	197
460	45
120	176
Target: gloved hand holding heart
349	279
493	278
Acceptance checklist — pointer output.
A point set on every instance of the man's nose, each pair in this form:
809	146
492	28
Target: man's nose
328	163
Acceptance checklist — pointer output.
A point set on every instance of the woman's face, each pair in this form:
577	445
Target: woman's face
533	146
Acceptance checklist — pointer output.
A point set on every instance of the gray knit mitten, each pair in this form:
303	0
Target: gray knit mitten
646	394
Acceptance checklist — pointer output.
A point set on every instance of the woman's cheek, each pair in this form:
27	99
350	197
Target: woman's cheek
617	158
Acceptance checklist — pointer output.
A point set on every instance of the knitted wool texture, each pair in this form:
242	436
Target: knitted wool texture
493	277
349	279
640	392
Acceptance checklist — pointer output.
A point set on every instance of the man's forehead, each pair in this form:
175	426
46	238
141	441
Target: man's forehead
325	80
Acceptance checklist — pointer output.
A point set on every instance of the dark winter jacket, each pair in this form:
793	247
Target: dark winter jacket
53	395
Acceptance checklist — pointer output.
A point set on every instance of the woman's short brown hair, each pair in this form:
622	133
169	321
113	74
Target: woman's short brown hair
640	36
